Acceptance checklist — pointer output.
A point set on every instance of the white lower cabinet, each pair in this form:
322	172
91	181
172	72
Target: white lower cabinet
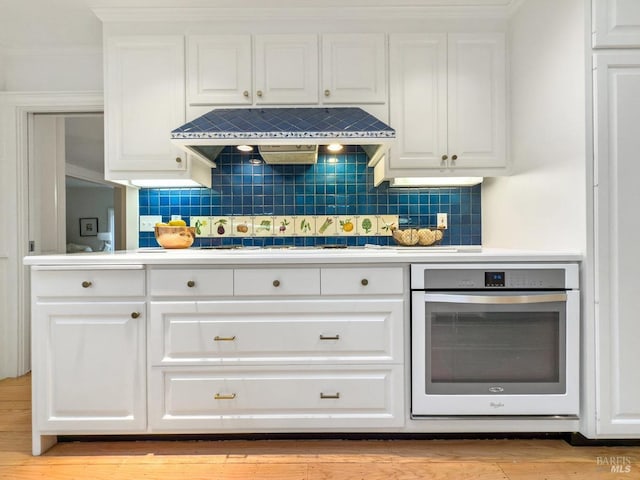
289	398
189	349
88	352
297	354
287	331
91	364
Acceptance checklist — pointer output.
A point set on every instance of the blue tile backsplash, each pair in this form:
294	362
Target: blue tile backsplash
337	185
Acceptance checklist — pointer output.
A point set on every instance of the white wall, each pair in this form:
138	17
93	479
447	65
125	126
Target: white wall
543	204
59	69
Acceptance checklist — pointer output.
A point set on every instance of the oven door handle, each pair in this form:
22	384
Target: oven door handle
495	299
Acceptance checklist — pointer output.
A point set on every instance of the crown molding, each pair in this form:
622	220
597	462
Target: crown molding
224	14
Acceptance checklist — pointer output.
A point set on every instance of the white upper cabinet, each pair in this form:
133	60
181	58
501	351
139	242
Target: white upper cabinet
286	69
447	103
616	23
418	99
354	68
219	70
476	76
144	101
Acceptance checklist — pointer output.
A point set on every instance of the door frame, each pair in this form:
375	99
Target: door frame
15	292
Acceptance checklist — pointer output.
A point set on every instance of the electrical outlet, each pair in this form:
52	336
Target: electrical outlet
176	217
147	222
442	220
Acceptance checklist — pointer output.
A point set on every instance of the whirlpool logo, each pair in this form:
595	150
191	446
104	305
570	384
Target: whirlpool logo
496	404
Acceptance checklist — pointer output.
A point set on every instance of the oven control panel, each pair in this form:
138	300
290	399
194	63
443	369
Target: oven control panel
488	277
494	279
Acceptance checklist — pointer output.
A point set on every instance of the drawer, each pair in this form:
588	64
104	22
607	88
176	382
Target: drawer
362	281
193	282
286	331
284	398
88	283
281	281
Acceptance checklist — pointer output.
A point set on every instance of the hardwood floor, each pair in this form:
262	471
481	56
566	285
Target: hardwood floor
294	459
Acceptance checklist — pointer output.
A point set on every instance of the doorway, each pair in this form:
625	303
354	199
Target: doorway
67	186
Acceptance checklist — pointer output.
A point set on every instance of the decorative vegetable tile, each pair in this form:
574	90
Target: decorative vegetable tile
305	226
386	223
241	226
221	227
202	224
326	226
346	225
283	226
263	226
367	225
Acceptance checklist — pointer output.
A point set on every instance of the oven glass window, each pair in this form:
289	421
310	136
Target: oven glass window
495	347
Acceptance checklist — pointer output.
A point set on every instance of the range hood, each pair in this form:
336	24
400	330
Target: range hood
284	135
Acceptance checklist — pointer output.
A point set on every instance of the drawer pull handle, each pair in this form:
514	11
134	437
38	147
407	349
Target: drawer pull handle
327	337
333	396
191	284
178	160
135	314
364	282
223	396
86	284
223	339
276	283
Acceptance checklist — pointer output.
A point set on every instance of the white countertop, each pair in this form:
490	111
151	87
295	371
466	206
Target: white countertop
261	256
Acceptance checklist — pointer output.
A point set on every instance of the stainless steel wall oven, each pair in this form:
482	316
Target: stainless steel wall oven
495	339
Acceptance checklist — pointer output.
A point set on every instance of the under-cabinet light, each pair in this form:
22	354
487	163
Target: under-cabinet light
245	148
435	181
166	183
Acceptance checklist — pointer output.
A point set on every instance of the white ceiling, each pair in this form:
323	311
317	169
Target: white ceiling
36	24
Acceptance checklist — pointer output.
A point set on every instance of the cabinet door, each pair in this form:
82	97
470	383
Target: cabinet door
286	69
418	100
219	70
617	258
616	23
144	101
89	367
476	101
354	68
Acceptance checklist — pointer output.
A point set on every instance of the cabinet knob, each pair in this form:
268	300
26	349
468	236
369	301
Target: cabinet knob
259	93
329	395
245	93
86	284
444	157
454	158
178	160
135	314
364	282
327	93
276	283
191	284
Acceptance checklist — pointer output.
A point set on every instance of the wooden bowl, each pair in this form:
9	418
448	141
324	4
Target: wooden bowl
175	237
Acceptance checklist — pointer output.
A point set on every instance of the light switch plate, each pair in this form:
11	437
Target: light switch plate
147	222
